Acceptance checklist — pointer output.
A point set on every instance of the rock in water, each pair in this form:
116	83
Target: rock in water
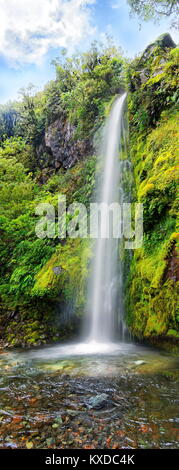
98	402
139	363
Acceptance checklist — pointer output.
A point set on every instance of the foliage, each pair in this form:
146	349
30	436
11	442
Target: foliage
24	257
155	9
8	119
83	85
69	284
152	283
152	79
159	163
77	183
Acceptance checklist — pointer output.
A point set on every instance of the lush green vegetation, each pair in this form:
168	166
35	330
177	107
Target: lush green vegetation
31	290
25	258
152	284
83	85
153	296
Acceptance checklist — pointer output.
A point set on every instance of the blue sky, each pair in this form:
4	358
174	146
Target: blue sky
32	33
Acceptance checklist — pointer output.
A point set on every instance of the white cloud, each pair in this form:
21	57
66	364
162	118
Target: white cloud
29	28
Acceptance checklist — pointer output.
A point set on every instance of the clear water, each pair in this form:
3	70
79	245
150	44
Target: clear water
45	395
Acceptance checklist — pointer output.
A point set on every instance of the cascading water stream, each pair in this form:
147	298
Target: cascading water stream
105	296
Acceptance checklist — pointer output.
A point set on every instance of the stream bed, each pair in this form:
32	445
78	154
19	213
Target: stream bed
89	396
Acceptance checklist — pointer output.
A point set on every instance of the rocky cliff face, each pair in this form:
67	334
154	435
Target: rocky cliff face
145	63
60	148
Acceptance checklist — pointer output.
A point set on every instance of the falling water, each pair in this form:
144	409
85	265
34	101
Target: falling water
105	298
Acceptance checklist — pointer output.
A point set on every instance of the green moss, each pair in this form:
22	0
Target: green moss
153	82
72	258
172	375
155	313
151	293
173	333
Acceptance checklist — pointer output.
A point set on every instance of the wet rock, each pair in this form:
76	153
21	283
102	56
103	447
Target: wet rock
139	363
98	402
6	413
172	270
72	413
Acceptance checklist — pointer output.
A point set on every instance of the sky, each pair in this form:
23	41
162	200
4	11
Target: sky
33	32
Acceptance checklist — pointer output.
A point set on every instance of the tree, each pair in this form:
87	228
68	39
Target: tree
148	9
84	83
8	119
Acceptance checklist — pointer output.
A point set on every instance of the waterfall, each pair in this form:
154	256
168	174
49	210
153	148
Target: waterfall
105	314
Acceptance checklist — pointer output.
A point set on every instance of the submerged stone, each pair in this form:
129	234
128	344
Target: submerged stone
98	402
